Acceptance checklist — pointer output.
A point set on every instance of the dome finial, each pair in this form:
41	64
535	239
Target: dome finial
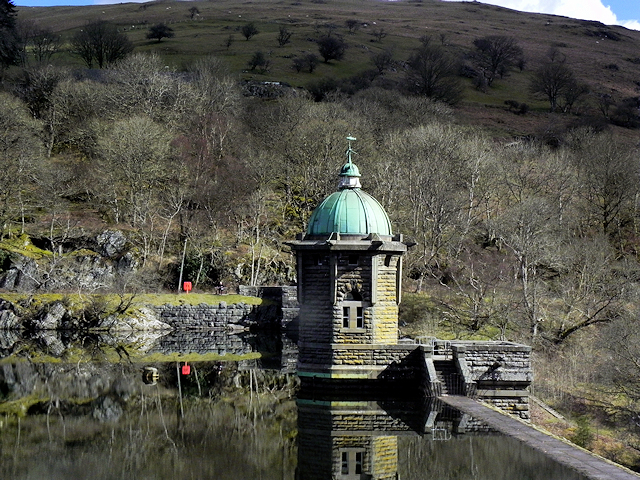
349	172
349	149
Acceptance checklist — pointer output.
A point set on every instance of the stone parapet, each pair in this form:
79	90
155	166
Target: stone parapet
494	363
497	373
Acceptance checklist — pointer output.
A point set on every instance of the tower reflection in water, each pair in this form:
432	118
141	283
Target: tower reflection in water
348	439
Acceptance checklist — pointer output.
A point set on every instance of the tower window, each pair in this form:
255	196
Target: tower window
353	315
345	463
351	464
353	259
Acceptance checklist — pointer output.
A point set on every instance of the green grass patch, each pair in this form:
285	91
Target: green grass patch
21	406
22	245
111	355
193	357
193	299
75	300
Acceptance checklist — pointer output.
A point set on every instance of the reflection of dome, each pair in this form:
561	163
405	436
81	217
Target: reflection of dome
349	210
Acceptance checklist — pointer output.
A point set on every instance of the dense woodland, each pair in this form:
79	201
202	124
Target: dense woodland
531	237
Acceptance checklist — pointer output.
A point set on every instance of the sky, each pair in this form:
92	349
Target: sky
609	12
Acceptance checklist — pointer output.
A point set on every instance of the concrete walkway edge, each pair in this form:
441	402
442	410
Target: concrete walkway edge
582	461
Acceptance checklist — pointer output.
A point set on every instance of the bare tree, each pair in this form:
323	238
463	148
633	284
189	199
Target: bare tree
309	62
229	41
433	204
100	43
331	48
530	230
433	72
284	36
379	34
45	44
556	81
249	30
352	25
20	155
495	54
382	60
133	155
592	287
608	172
258	60
160	31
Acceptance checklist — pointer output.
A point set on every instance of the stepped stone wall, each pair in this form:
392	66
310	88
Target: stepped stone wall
497	373
495	362
285	298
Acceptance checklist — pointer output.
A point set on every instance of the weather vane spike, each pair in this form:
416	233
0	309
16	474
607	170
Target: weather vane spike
350	150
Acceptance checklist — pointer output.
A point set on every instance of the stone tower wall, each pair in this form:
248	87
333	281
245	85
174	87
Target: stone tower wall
315	305
350	279
385	329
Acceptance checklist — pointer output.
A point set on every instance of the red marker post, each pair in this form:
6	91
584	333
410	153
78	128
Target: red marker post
186	286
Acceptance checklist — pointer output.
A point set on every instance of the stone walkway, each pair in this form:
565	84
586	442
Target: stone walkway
589	465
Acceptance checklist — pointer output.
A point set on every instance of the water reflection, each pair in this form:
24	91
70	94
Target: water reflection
101	421
388	440
128	419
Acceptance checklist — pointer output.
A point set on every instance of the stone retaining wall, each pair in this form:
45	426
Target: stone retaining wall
207	317
202	343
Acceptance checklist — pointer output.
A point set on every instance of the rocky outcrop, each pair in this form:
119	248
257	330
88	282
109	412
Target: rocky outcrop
8	318
23	274
52	318
112	243
81	267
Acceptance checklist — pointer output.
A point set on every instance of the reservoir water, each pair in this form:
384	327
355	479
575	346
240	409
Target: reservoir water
96	409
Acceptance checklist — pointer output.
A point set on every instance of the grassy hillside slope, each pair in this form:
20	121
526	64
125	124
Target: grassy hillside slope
606	58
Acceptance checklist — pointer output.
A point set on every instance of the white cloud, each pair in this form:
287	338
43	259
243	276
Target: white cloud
631	24
112	2
581	9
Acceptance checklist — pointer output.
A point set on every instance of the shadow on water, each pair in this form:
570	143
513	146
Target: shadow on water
110	416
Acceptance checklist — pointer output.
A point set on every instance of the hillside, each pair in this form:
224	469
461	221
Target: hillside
179	161
605	58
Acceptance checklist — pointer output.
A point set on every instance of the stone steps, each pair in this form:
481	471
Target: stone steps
449	377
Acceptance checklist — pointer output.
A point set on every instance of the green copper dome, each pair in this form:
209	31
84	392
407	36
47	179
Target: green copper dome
349	211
